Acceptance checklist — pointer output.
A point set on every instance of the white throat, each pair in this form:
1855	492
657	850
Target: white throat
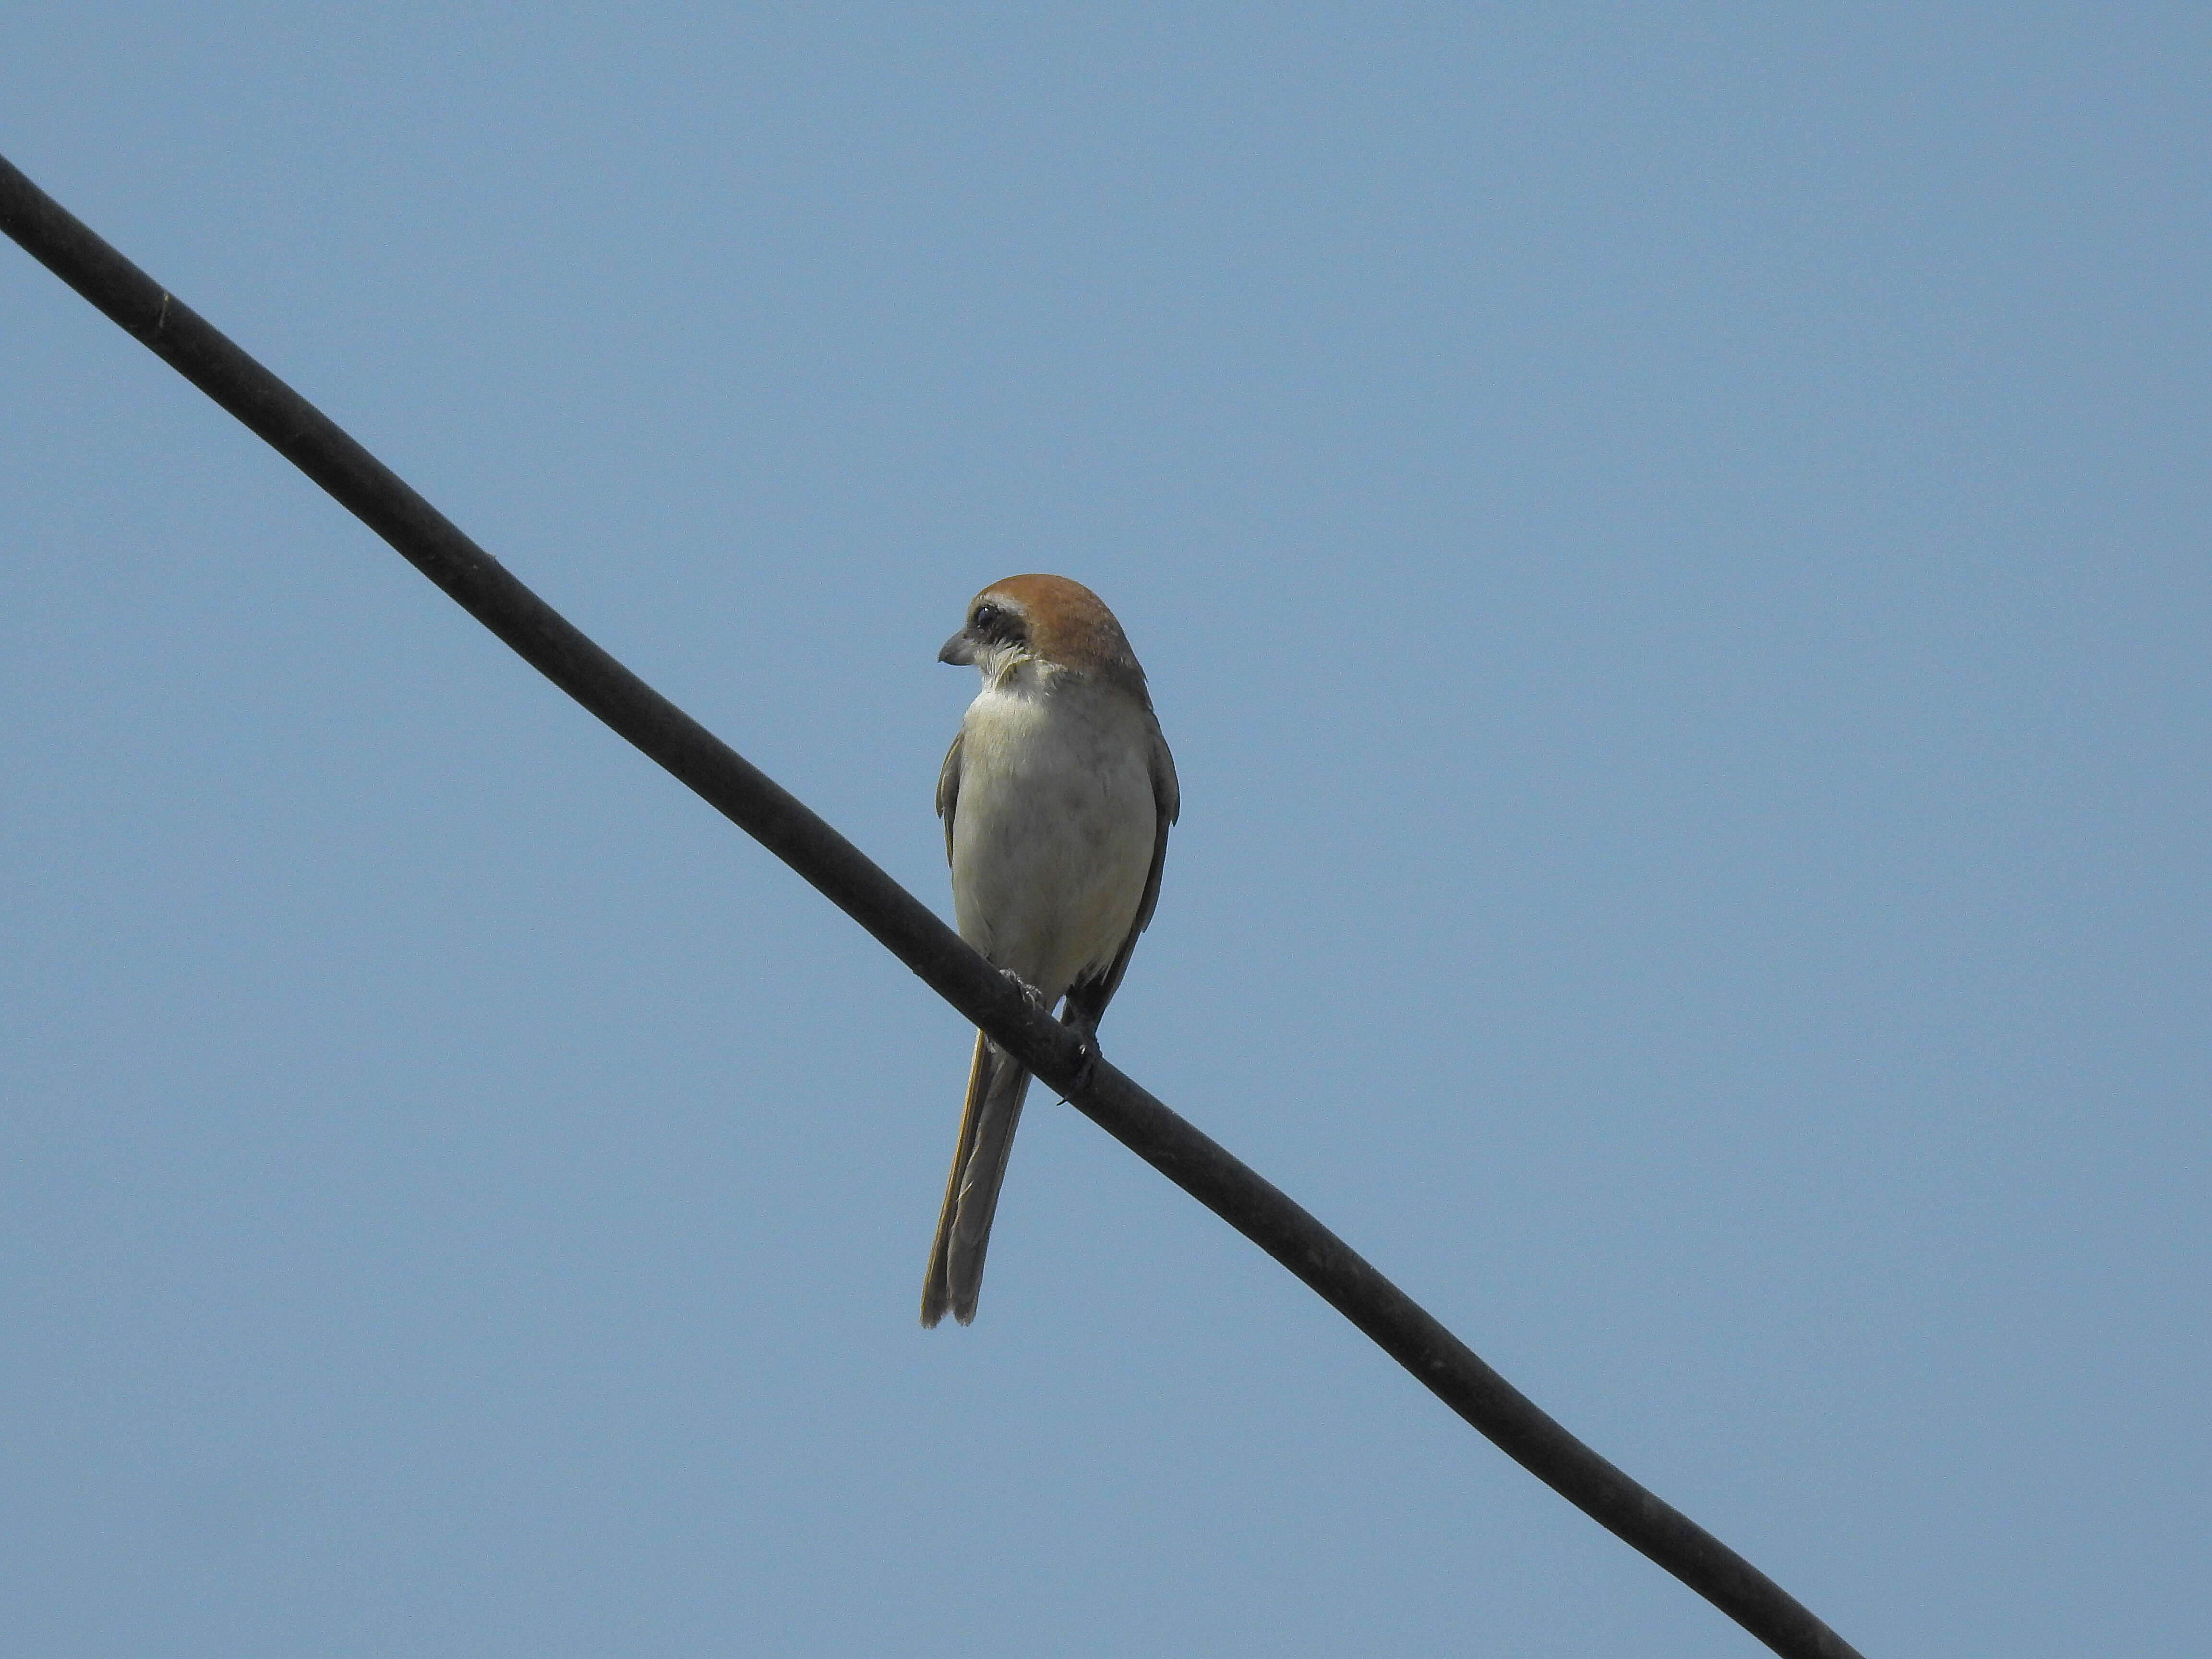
1001	667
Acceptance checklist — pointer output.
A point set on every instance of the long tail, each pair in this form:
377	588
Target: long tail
996	1084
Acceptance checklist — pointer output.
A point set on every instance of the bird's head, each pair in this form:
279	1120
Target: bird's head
1051	620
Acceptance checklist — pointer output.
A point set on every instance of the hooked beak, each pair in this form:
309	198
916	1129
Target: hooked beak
959	650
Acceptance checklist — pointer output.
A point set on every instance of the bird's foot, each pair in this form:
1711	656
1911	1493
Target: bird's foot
1031	994
1086	1058
1087	1066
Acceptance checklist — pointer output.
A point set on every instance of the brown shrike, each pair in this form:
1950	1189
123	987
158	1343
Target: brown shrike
1056	797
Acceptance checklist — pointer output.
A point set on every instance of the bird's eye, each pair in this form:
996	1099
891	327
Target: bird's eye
985	616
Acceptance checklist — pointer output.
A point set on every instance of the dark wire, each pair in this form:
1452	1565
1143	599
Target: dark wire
756	804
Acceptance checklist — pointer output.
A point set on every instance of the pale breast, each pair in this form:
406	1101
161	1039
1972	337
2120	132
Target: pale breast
1052	834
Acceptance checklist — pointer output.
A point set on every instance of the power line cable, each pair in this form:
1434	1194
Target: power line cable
753	801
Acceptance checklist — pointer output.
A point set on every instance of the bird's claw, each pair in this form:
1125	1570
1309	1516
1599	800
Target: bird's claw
1086	1034
1086	1064
1031	994
1086	1031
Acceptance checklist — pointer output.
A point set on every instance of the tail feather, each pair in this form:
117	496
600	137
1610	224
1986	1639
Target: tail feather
997	1083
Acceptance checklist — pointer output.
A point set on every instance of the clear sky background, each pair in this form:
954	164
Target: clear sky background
1671	547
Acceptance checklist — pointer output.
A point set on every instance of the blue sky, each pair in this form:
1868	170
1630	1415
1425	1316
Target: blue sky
1670	545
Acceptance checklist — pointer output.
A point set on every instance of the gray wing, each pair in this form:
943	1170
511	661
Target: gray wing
1087	999
948	790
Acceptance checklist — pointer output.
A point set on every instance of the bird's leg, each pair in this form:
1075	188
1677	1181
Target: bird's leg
1085	1027
1031	994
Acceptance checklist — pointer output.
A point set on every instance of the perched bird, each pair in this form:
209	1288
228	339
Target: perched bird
1056	797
